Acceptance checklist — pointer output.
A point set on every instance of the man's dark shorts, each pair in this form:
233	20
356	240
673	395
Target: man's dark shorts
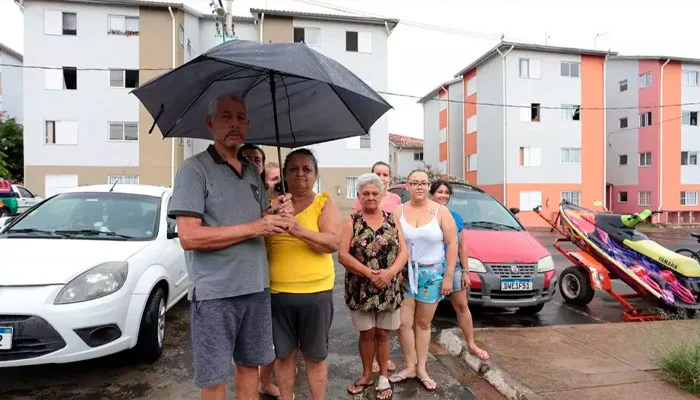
302	320
234	328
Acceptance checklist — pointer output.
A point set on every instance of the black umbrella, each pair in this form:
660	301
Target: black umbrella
295	96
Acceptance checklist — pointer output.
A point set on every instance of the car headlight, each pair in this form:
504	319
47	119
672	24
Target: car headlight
94	283
545	264
476	265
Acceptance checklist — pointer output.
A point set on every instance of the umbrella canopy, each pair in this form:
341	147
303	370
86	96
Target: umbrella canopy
295	96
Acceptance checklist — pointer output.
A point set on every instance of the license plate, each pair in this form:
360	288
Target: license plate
5	338
516	284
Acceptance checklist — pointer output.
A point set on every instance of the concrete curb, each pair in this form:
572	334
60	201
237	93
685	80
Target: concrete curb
500	380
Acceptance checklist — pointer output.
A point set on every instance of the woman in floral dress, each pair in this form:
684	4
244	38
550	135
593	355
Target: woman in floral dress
373	251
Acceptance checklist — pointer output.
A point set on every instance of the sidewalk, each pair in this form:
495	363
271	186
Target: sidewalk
601	361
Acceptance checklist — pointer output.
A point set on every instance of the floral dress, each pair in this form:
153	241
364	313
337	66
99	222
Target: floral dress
377	250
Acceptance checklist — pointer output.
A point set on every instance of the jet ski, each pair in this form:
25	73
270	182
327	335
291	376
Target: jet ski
629	255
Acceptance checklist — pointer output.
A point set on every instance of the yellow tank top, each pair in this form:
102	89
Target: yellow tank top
294	266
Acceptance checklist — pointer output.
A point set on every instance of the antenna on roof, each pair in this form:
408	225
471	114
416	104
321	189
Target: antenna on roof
117	180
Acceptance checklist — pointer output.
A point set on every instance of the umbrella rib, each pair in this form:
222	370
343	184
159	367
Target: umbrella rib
289	110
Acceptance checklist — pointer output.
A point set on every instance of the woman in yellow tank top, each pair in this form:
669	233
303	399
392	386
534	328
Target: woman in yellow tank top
302	277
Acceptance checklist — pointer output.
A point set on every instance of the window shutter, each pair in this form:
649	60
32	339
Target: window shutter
535	68
53	22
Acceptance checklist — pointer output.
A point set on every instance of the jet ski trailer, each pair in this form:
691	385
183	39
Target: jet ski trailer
610	248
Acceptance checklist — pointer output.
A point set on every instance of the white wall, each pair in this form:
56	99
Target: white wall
690	135
11	94
368	67
403	163
489	131
431	132
94	102
625	140
552	132
455	127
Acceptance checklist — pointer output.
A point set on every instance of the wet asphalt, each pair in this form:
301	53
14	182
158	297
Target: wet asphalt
119	377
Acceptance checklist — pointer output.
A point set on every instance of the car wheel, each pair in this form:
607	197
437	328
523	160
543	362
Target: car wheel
4	212
575	286
152	330
531	310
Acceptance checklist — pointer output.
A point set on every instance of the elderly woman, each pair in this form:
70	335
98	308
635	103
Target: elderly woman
441	193
272	177
302	277
373	251
431	236
389	201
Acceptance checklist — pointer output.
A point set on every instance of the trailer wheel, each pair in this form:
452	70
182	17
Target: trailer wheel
575	286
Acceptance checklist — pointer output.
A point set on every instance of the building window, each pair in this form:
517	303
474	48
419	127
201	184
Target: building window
123	179
530	68
317	185
182	36
443	166
350	187
570	69
123	25
572	196
359	42
530	157
471	86
645	159
471	162
623	122
623	85
622	197
443	135
309	36
622	159
61	132
645	119
689	78
570	155
689	198
530	112
689	158
530	200
60	23
471	124
65	78
645	80
644	198
366	141
571	112
689	118
124	78
418	156
123	131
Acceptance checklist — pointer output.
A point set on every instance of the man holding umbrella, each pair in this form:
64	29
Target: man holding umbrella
223	216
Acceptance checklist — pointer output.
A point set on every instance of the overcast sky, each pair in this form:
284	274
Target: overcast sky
420	58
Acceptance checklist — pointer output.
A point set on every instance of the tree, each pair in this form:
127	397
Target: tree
11	150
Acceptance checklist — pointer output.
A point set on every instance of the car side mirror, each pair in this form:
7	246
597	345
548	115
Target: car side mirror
514	210
172	231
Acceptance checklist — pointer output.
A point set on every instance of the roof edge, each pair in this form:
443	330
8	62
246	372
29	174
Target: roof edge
12	52
327	17
436	89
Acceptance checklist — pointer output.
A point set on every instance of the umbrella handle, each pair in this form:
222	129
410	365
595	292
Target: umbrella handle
273	92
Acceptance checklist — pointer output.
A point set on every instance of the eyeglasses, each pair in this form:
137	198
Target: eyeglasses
414	184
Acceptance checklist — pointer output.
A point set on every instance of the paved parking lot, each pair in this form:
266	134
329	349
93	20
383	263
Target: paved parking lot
119	378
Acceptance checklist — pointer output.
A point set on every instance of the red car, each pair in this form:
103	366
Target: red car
508	267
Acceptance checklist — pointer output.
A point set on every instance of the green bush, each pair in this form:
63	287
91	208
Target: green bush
681	365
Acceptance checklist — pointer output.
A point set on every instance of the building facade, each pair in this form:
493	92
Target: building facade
533	130
405	155
654	137
11	73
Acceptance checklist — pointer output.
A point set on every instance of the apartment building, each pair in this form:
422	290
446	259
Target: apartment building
10	83
405	154
360	44
533	126
654	137
443	118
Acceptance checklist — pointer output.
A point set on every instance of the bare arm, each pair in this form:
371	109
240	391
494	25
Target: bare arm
402	257
463	254
449	232
344	257
327	239
194	236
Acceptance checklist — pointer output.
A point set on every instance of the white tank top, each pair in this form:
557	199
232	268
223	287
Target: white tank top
426	244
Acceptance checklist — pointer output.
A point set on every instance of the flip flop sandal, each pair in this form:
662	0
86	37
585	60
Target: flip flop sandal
361	386
398	378
425	386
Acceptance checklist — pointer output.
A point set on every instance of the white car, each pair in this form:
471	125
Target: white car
25	198
89	272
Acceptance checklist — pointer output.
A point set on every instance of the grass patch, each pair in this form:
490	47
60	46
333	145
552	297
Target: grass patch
681	364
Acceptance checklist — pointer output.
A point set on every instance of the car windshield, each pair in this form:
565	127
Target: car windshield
109	216
481	211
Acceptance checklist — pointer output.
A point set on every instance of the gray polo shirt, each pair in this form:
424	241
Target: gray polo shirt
206	186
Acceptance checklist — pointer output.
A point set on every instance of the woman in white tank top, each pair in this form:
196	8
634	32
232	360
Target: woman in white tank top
431	237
